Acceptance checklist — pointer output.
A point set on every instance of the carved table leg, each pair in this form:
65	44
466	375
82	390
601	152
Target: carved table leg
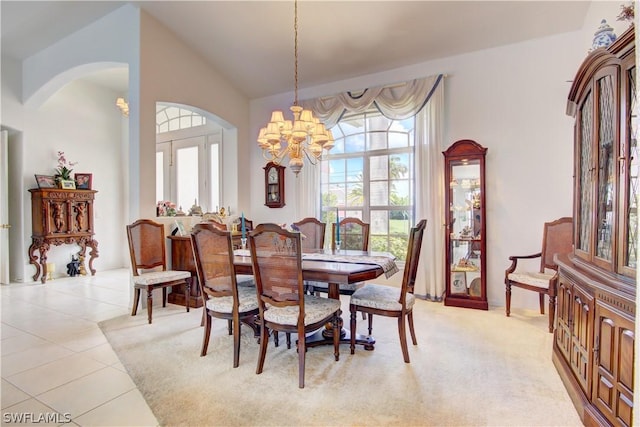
34	259
93	244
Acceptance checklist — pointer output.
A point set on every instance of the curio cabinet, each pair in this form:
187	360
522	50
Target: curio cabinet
465	272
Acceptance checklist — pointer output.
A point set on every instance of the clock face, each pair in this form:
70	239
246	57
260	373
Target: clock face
273	175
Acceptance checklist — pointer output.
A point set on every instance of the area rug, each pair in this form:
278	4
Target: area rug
470	368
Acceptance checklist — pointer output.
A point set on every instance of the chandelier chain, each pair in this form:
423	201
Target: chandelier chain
295	51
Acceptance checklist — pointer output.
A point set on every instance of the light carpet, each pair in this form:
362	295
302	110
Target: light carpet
470	368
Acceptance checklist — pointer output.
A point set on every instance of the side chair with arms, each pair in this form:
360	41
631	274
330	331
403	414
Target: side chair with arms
149	266
276	258
390	301
556	239
221	295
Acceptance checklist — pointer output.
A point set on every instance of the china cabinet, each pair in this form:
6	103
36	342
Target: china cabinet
466	226
593	347
274	185
58	217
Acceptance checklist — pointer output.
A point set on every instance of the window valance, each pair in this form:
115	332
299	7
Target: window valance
397	102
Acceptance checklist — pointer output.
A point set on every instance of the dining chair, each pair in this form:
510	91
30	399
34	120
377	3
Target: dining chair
556	239
354	235
313	231
217	224
276	258
221	296
390	301
149	266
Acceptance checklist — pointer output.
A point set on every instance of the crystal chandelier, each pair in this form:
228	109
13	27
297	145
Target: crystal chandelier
303	137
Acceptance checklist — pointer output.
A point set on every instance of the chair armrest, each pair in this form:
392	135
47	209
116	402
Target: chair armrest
514	262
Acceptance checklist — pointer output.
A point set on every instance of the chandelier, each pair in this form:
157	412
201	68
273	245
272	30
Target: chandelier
303	137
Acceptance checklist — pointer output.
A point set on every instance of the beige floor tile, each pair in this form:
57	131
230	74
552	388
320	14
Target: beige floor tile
88	392
20	342
55	374
32	358
103	353
81	341
130	409
7	331
10	394
31	412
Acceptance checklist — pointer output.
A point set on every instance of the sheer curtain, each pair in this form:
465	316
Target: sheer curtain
423	98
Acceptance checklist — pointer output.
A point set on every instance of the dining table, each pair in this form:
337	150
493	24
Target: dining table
335	267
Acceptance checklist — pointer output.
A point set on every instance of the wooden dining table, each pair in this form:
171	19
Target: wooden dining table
336	268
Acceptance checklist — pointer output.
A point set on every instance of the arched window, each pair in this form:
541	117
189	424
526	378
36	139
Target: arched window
170	118
369	175
188	157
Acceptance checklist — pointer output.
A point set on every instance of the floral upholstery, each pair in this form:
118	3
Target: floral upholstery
247	301
245	280
532	278
315	308
155	277
381	297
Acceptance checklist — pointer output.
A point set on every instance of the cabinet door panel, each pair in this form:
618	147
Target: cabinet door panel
563	328
581	331
613	369
607	155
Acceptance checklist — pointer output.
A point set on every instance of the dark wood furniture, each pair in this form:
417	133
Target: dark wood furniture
274	185
276	258
313	230
182	259
594	340
61	217
221	295
149	265
354	234
556	239
391	301
335	273
465	237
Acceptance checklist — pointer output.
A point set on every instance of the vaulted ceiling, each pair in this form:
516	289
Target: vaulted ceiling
251	42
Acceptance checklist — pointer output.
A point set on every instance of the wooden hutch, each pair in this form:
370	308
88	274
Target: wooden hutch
593	348
60	217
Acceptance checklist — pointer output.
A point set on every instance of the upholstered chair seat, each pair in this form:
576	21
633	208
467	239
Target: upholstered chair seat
156	277
381	297
533	278
247	301
315	309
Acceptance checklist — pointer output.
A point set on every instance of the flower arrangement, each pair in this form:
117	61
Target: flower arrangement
63	171
166	208
627	13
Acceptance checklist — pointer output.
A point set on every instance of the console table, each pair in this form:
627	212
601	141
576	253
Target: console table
182	259
61	217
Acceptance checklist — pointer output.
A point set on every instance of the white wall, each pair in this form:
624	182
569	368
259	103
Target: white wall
81	120
511	100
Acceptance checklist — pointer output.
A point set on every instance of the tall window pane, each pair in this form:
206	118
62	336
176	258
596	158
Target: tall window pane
159	176
372	181
187	176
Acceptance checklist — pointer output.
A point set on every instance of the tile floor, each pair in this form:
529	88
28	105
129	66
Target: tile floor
57	367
